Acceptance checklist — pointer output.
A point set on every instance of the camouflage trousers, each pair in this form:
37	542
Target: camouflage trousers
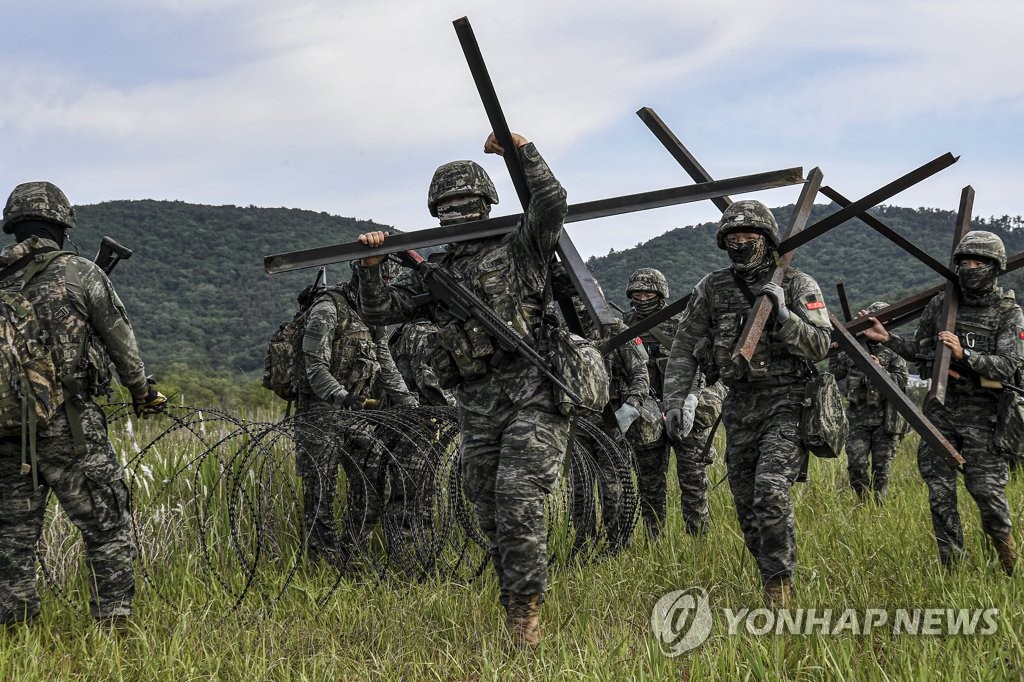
91	490
968	423
609	478
652	461
513	439
868	445
763	455
322	447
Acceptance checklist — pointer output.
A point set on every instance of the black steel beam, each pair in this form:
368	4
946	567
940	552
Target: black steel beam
843	301
892	235
639	327
893	393
494	227
856	208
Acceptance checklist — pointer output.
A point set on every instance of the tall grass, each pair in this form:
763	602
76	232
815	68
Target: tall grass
596	617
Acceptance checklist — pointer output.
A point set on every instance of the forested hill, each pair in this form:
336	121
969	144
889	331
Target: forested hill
872	267
195	287
197	293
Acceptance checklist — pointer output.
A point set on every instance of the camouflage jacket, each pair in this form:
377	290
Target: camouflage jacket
627	370
713	320
859	390
75	304
991	328
413	346
658	342
509	273
389	387
338	349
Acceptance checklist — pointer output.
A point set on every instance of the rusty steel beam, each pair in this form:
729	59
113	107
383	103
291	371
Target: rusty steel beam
893	393
494	227
892	235
679	152
950	301
762	308
857	207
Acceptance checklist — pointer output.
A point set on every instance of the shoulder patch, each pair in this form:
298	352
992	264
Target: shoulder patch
816	313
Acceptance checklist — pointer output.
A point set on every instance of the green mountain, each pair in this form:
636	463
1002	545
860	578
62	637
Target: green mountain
871	267
197	293
195	288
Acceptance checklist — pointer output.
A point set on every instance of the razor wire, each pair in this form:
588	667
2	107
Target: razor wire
223	499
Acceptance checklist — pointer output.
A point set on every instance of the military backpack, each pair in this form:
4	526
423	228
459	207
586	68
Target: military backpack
283	367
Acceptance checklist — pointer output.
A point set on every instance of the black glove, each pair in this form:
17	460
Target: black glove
676	426
351	401
153	403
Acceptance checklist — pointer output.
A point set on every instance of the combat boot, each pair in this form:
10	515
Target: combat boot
1007	551
523	620
778	592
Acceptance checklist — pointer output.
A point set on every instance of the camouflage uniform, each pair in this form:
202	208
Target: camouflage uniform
762	410
990	327
413	346
75	304
513	436
629	384
340	357
875	428
648	434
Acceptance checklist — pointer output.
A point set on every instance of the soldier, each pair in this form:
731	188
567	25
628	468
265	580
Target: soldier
648	293
875	426
513	435
343	361
84	320
987	349
763	452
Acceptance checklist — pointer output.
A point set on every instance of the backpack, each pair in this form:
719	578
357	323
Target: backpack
31	391
283	367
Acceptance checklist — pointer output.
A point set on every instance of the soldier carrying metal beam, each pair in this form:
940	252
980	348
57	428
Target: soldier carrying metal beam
986	350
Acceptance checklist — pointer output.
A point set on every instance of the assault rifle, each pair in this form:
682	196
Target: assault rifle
110	254
461	303
964	371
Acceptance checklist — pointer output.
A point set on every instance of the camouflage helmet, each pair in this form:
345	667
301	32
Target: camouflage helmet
38	201
984	245
747	216
648	279
876	306
459	179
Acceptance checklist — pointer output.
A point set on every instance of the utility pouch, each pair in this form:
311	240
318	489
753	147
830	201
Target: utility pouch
454	340
480	344
823	424
579	365
1008	438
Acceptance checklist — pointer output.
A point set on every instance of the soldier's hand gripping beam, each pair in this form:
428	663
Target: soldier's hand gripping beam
762	308
950	300
893	393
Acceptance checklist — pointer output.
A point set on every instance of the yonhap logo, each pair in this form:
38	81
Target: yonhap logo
681	620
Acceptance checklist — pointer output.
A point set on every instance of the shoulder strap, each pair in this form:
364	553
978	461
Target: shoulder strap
26	260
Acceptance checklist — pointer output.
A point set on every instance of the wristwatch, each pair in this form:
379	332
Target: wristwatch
967	354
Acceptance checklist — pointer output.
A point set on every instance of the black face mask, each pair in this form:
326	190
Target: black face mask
977	280
747	256
39	228
648	307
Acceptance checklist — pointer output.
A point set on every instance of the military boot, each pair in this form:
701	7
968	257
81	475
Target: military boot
1007	551
778	592
523	620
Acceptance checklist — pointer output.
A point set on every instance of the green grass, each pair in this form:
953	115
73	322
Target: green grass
596	617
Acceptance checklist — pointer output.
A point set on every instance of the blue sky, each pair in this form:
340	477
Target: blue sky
348	106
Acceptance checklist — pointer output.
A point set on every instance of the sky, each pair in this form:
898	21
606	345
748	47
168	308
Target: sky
348	106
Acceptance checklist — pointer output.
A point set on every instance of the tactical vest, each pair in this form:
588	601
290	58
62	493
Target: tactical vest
353	351
859	389
772	363
488	273
658	343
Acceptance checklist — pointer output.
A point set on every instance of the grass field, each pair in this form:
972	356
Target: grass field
596	618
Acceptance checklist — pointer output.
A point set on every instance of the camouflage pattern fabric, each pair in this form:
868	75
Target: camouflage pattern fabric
91	491
763	407
413	350
389	387
513	437
871	440
74	302
991	326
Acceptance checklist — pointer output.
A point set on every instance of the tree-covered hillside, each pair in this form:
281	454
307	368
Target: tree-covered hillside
872	267
195	287
198	295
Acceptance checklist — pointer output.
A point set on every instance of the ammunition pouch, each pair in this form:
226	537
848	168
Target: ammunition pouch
466	345
823	423
894	423
1008	438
